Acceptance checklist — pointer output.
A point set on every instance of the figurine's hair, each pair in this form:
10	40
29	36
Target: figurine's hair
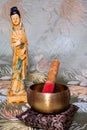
14	10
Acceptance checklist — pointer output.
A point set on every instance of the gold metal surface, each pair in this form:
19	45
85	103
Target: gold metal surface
48	102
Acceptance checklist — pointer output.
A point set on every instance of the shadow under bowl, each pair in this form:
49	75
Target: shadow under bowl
49	103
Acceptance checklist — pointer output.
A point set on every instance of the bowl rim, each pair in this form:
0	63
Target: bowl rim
33	91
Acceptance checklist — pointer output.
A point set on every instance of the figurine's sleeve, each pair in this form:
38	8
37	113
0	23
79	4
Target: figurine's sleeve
24	38
14	39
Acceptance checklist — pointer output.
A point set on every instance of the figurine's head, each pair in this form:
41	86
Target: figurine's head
15	16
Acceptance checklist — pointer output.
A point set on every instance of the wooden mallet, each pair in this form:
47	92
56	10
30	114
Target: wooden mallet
51	78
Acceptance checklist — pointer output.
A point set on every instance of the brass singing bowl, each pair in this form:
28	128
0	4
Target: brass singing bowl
48	102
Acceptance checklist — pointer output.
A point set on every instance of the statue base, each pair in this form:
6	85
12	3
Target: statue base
17	98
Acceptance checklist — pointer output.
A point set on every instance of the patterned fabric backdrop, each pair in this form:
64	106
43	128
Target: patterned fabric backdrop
54	29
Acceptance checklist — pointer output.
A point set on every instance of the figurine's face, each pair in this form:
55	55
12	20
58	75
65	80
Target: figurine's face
15	19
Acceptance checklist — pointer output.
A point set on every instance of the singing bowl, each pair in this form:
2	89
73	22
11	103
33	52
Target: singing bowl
55	102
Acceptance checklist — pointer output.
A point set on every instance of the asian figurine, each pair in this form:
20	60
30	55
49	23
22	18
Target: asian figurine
19	46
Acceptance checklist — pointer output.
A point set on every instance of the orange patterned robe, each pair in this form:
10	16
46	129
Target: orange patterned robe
20	59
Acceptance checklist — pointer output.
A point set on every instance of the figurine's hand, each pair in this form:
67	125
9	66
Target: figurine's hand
15	42
17	35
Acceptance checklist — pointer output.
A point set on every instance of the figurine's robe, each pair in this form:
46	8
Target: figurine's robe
20	59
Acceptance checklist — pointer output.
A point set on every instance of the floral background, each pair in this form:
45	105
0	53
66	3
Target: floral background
54	29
